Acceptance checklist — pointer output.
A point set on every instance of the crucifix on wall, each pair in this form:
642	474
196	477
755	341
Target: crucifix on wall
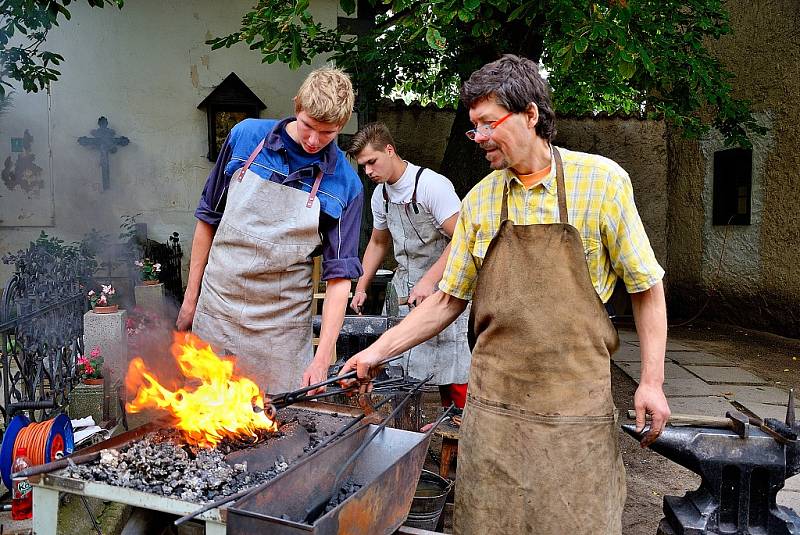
104	140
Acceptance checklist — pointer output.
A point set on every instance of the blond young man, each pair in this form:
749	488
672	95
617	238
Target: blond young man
280	192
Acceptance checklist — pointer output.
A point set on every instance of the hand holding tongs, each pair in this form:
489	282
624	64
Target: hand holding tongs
282	400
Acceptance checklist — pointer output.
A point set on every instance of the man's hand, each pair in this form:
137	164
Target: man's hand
357	303
650	400
420	292
316	372
367	364
186	315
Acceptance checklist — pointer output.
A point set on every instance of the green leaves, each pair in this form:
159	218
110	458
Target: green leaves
25	63
642	57
649	59
627	69
283	31
435	39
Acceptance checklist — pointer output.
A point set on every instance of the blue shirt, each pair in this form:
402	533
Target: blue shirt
341	193
298	157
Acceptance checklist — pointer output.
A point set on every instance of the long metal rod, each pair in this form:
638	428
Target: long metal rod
56	465
314	510
92	452
91	515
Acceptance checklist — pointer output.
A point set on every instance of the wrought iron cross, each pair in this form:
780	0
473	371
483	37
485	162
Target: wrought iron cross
106	143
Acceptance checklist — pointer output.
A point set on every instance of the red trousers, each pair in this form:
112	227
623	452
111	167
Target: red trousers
453	393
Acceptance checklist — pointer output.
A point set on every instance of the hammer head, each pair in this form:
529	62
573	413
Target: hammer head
740	423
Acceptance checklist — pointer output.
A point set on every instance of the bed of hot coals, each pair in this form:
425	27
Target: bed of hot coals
348	489
160	463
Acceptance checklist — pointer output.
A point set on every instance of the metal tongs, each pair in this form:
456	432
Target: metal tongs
284	399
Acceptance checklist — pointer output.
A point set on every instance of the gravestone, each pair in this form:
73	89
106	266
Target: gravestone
109	333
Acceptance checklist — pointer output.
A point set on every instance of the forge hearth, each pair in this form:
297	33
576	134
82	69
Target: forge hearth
161	463
374	499
168	469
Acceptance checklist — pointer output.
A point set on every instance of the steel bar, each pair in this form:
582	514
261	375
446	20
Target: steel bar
780	432
91	453
91	515
57	465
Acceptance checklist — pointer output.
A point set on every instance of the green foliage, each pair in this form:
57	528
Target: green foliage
649	58
643	57
77	258
29	21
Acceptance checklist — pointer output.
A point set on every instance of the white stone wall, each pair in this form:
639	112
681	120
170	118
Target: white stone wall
146	68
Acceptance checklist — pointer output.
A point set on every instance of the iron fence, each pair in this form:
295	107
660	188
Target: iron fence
41	332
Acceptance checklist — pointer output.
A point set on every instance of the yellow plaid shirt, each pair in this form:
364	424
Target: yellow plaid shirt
600	205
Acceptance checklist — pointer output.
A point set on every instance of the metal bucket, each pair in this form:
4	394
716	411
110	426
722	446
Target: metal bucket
429	500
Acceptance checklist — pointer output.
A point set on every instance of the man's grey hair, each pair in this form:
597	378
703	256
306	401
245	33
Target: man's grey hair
513	82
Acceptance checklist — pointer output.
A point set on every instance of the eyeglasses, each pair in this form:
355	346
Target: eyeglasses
487	129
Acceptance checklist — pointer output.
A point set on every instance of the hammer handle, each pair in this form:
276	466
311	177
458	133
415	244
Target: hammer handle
697	420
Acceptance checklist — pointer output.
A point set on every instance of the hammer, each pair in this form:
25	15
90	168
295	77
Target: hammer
736	421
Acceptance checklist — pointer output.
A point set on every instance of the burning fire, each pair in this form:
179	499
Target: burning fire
214	404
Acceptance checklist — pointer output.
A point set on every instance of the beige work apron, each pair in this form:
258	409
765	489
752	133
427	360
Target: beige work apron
538	451
255	298
418	244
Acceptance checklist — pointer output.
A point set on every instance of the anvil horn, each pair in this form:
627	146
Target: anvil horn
674	443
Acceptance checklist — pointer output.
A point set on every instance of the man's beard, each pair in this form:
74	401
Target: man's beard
496	165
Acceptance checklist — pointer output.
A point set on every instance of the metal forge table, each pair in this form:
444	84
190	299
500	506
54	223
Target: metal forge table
390	467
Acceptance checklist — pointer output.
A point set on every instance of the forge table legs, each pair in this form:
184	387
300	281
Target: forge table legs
214	528
45	511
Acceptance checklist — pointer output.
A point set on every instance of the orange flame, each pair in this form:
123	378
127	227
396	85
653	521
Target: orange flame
219	406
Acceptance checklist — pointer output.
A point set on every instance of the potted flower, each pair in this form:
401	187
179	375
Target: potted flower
103	301
90	369
87	398
148	271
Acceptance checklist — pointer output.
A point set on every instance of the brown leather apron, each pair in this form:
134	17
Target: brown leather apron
255	298
538	451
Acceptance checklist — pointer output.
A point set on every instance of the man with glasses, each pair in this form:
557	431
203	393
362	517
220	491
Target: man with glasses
538	247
